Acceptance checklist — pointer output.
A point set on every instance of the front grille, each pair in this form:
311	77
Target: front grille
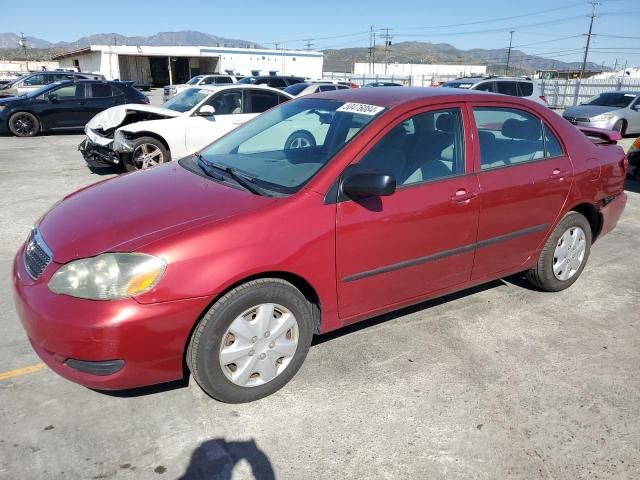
37	255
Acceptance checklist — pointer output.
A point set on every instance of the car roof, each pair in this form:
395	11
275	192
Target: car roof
626	92
243	86
393	97
480	79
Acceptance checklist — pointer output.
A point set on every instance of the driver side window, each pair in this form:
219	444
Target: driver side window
428	146
227	103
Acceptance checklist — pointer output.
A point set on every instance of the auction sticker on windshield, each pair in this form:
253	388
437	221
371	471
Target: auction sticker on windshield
361	108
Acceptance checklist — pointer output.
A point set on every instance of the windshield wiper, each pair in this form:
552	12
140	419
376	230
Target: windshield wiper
248	183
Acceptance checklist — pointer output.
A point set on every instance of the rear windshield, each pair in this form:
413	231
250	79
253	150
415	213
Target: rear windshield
613	99
466	85
296	89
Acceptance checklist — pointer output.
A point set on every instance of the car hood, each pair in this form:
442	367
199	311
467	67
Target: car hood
127	212
588	111
114	116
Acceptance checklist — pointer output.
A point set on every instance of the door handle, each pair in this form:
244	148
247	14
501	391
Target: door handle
463	196
557	173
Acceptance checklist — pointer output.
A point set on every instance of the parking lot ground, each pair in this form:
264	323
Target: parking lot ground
500	381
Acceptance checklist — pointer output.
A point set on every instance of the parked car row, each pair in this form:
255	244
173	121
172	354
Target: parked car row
232	258
33	81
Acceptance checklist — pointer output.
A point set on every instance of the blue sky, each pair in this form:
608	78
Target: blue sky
551	28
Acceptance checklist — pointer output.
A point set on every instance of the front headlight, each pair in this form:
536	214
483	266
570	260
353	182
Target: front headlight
121	143
603	116
108	276
2	107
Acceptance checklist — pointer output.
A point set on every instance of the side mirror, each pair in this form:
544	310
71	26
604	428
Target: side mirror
206	111
53	97
369	184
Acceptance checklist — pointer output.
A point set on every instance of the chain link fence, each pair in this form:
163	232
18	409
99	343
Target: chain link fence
414	81
567	93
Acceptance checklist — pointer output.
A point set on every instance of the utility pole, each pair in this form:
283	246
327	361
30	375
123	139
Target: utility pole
309	44
586	49
370	49
506	70
615	66
387	45
23	44
373	54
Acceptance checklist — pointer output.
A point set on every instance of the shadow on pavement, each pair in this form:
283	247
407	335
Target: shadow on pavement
145	391
318	339
215	460
632	185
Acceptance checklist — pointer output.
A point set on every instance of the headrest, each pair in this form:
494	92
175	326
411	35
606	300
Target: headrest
522	129
446	123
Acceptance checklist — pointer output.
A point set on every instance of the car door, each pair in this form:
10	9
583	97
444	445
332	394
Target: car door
66	107
420	239
228	114
525	177
101	96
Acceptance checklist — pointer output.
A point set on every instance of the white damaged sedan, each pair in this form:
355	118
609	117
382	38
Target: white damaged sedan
142	136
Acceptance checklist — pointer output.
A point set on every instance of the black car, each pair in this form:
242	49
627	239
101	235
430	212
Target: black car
64	105
383	84
275	81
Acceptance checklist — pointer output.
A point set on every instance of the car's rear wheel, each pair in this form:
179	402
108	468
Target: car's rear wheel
620	126
300	139
564	256
147	152
24	124
252	341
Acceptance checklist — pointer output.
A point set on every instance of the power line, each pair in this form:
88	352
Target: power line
546	41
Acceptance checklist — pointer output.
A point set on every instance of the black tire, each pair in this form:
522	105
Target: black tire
134	161
24	124
620	126
542	275
300	139
204	347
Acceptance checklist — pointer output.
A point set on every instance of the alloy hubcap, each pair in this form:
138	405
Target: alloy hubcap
569	253
259	345
23	125
300	142
147	155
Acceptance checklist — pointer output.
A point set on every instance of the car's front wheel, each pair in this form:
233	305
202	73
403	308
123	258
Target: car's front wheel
24	124
564	256
620	126
147	152
252	341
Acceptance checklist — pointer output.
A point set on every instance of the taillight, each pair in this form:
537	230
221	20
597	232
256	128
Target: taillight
544	99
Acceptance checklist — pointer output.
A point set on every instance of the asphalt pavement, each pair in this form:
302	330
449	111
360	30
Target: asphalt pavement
500	381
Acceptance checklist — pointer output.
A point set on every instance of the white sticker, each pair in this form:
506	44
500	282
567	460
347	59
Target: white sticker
361	108
629	95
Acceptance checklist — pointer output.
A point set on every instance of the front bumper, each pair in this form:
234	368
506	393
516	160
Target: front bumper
98	155
65	332
602	124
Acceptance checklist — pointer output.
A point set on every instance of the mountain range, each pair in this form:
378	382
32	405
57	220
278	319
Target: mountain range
335	60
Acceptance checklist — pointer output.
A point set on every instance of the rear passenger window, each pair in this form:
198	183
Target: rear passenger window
99	90
551	144
526	89
223	80
484	87
428	146
326	88
508	137
262	101
277	83
507	88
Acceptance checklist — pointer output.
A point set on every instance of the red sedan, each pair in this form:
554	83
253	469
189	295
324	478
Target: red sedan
232	259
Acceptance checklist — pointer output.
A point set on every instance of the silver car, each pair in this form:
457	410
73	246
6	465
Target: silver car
618	111
170	91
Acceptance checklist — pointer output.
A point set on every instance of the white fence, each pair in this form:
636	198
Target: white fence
566	93
415	80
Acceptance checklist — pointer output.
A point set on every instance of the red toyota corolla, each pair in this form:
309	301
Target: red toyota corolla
232	259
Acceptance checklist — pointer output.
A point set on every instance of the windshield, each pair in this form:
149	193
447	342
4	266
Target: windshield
285	147
619	100
13	81
248	80
194	80
185	101
296	89
457	85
